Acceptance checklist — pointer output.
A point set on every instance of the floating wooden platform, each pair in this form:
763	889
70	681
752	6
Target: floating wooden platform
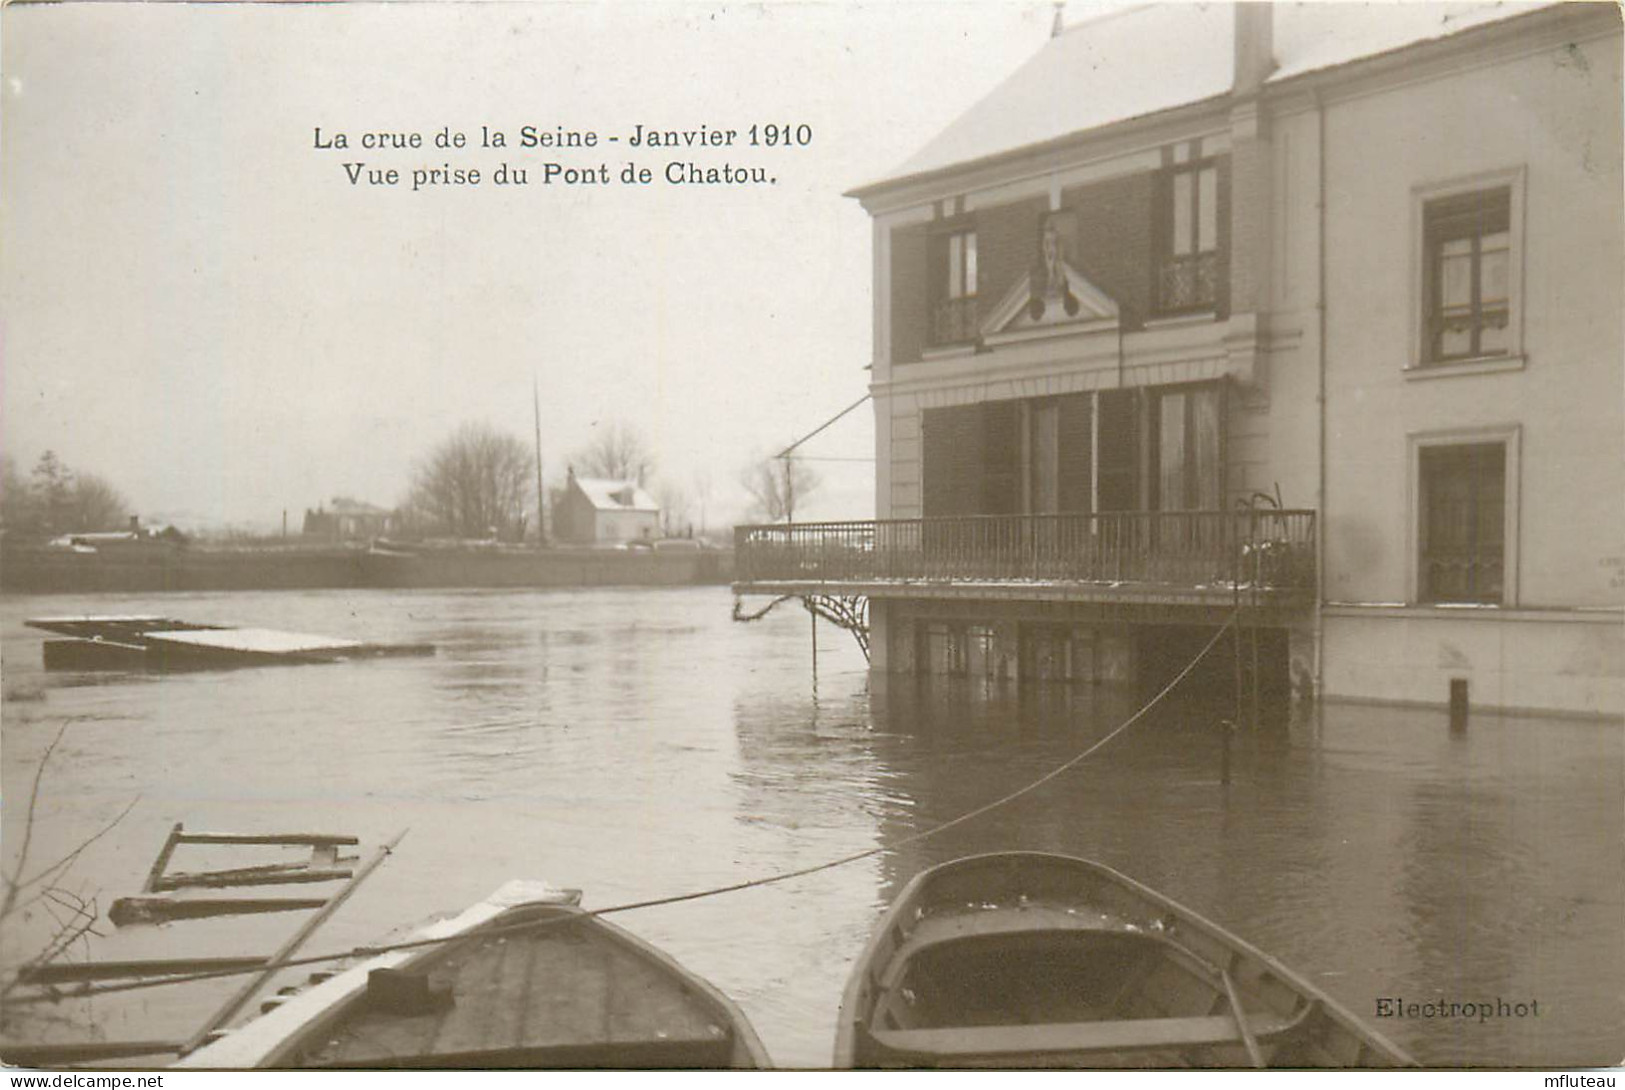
135	642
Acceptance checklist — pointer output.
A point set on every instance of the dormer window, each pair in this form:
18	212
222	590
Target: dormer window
953	276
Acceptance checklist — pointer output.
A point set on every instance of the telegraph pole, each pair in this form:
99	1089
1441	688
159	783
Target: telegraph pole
541	496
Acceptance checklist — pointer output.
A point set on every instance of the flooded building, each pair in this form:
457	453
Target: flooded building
1304	314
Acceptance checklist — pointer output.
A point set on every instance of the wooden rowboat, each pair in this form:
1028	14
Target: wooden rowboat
525	979
1023	959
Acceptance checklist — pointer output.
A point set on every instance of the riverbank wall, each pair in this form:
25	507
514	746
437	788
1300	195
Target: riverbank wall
144	569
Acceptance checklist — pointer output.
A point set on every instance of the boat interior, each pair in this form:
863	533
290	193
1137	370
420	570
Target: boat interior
483	1006
1012	991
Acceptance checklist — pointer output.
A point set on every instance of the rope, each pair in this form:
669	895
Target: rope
677	898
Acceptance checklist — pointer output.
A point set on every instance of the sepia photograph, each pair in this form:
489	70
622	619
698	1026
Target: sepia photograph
869	534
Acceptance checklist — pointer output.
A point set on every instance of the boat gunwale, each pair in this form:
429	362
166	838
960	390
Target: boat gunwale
334	999
857	1005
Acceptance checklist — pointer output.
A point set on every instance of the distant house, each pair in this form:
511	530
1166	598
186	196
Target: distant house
349	520
599	511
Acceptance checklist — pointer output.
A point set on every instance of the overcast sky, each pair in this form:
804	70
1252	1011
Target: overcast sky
200	306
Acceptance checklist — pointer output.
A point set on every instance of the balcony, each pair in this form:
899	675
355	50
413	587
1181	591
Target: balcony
954	321
1188	283
1258	558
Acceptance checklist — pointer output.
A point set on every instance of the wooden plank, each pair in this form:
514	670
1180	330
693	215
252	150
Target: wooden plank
134	910
467	1025
289	948
308	839
157	872
506	1027
82	1052
70	971
564	1008
708	1053
282	874
1133	1035
648	1003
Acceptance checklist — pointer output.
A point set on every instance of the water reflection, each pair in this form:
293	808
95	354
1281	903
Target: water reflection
638	744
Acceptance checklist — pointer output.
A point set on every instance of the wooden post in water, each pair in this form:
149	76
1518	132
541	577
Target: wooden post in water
812	613
158	867
1255	674
1237	656
1458	704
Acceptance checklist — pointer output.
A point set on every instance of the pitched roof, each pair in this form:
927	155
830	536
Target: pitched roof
1140	61
611	495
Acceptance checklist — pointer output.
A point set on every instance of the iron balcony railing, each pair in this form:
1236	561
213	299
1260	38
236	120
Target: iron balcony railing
1261	549
954	321
1189	282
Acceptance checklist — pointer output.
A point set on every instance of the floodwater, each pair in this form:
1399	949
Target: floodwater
638	743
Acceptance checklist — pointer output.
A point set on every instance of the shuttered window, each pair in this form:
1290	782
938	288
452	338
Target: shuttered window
972	456
1119	450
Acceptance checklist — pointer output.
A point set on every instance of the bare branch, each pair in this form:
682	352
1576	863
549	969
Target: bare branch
67	860
617	453
779	486
474	485
12	879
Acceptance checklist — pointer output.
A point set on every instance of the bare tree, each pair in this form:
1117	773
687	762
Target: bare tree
96	505
617	452
52	486
475	484
674	506
17	509
778	486
54	499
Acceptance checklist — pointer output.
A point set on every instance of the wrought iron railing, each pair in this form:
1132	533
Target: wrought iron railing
1265	549
954	321
1458	575
1189	282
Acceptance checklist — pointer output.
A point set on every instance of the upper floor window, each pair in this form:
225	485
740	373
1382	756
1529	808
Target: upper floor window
1188	268
1467	274
953	277
1468	267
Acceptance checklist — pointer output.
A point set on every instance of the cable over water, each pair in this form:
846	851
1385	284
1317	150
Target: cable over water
677	898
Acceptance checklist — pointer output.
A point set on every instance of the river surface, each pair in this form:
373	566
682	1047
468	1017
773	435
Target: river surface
637	743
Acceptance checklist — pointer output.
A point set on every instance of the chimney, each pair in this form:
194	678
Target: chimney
1255	45
1059	24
